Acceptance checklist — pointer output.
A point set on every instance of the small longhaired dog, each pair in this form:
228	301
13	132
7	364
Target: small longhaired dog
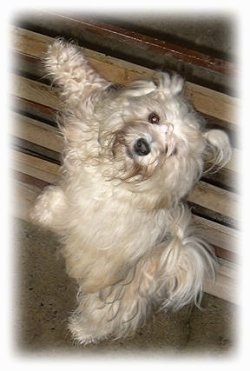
131	155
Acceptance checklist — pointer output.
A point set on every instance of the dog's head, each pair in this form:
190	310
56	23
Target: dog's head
151	133
146	135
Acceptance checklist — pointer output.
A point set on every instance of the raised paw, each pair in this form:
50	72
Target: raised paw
49	207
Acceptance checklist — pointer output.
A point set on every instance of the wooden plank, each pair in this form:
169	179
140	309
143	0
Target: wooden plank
29	180
25	88
215	198
217	234
34	166
130	39
36	132
223	178
226	284
205	100
67	26
34	109
24	197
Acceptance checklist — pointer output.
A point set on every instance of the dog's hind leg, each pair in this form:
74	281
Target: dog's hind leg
115	311
170	276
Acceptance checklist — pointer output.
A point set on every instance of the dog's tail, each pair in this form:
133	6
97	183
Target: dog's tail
185	264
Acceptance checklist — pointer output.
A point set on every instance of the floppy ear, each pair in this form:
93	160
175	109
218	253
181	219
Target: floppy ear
71	72
218	149
170	83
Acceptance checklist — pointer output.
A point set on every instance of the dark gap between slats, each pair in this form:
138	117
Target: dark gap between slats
35	150
35	111
212	215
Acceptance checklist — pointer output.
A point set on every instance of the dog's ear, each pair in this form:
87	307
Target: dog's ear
71	72
139	88
170	83
218	149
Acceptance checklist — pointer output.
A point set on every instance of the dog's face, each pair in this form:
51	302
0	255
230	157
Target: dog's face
147	136
158	129
153	135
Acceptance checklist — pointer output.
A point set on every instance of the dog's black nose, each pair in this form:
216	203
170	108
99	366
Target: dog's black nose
141	147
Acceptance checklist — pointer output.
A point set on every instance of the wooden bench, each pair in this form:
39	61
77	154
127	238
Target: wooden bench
36	146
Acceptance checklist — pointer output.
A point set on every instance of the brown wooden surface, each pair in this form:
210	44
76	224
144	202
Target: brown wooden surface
36	138
75	25
128	37
207	101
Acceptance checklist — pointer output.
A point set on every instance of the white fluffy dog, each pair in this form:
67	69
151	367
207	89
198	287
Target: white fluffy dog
131	155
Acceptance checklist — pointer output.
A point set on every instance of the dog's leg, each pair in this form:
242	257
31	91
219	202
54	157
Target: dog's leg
171	276
50	208
71	72
115	311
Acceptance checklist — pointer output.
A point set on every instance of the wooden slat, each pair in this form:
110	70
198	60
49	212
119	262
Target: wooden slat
180	53
178	58
24	198
36	132
29	180
226	284
25	88
35	167
213	103
129	39
205	100
215	198
217	234
34	109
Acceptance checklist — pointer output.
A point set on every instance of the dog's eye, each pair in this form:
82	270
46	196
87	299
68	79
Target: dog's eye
153	118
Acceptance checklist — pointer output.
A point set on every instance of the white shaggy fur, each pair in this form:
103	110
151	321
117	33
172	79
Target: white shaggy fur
131	155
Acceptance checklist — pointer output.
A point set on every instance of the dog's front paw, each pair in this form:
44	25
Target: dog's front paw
61	56
49	207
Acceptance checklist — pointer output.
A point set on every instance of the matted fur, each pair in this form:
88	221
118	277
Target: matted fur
127	237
